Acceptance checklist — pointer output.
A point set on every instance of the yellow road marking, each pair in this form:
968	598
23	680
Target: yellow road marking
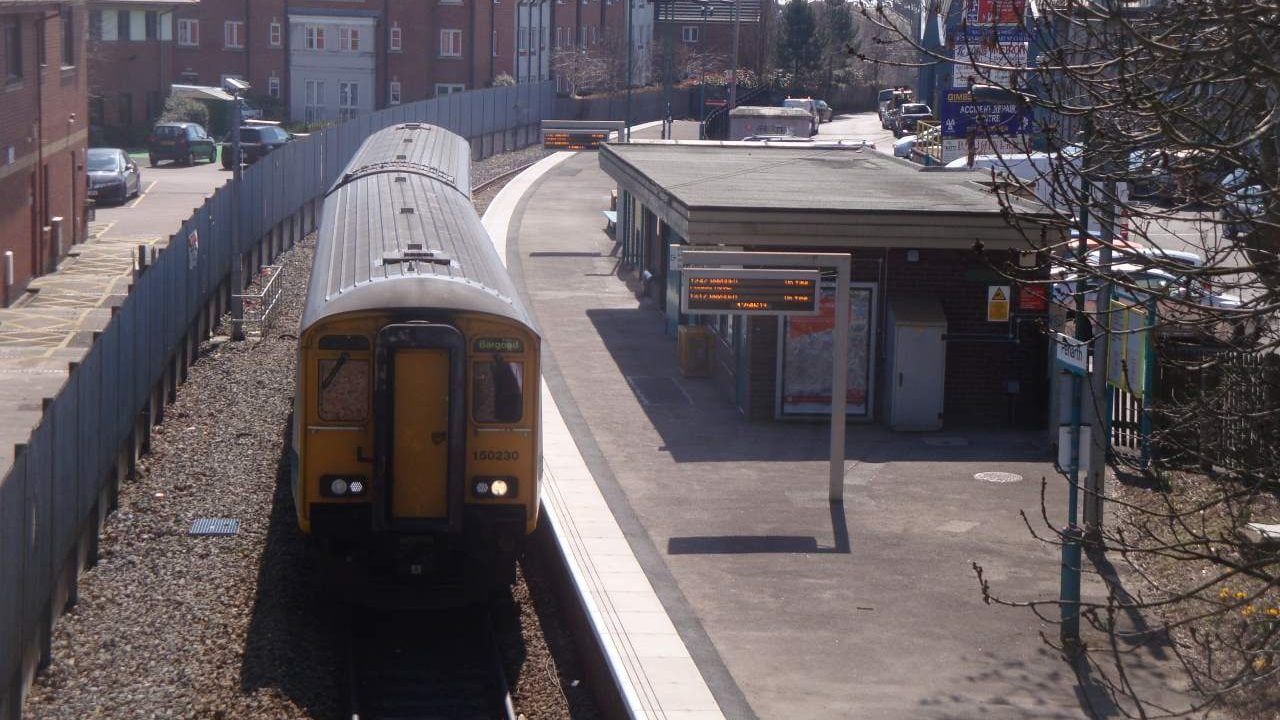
143	194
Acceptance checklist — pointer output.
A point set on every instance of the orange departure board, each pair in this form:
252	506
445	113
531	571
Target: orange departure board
749	292
566	140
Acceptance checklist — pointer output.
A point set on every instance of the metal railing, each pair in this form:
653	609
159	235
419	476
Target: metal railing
928	147
260	306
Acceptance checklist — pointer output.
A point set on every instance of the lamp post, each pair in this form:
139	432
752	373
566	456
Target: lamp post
631	9
237	88
704	7
733	87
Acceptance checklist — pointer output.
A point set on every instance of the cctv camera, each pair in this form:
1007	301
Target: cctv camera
235	85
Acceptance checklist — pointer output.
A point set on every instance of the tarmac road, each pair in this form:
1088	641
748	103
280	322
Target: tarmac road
169	194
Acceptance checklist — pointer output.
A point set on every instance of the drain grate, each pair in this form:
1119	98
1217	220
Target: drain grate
214	526
998	477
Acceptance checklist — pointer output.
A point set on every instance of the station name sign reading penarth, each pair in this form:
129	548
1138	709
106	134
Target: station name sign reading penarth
722	291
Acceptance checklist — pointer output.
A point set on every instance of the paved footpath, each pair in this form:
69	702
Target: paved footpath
789	608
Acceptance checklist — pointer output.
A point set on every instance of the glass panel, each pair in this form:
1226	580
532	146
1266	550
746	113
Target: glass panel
497	392
344	389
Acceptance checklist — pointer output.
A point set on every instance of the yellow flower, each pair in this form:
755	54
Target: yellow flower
1240	595
1224	593
1247	610
1260	664
1274	612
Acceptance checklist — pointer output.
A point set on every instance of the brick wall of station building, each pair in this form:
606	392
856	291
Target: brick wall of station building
982	360
43	135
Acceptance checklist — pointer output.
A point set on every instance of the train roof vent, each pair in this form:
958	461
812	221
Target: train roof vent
413	126
415	252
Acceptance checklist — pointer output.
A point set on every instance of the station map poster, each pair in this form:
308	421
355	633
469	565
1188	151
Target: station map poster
804	372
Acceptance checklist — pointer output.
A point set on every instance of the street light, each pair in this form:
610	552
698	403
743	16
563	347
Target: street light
704	7
236	88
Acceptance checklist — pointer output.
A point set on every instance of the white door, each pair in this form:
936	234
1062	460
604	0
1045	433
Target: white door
919	369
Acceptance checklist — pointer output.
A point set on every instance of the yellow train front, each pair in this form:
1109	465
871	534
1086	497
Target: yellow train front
416	441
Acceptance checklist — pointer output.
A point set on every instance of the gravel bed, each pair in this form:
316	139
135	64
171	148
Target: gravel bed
174	626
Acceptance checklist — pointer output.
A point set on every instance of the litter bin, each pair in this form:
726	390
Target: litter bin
694	345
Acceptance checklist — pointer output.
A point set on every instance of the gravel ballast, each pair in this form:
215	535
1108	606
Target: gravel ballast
170	625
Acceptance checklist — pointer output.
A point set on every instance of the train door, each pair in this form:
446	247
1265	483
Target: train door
419	415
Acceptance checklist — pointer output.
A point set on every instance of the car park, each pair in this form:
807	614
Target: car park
825	113
256	141
906	117
113	175
809	106
181	142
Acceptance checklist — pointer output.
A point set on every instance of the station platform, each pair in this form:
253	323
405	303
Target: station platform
785	605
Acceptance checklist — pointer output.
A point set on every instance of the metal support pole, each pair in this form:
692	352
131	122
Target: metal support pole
237	261
839	378
1095	479
630	44
733	87
8	277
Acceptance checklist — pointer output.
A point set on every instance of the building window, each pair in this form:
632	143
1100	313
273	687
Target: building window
233	34
395	38
189	33
125	108
95	24
68	37
449	88
123	25
349	39
314	37
524	39
559	37
689	33
450	43
493	44
393	93
13	48
582	37
273	86
275	34
348	100
152	22
314	101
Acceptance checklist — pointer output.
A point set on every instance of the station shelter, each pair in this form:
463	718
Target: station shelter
949	301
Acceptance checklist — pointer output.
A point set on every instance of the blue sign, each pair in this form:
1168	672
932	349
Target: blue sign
960	115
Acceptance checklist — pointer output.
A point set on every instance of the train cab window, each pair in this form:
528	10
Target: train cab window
344	389
498	391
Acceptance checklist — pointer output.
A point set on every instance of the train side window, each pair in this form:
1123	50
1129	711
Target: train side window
344	389
497	391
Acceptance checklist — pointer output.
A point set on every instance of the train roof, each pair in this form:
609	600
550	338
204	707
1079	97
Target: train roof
399	232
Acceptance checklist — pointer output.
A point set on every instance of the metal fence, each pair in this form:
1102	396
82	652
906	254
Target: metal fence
64	479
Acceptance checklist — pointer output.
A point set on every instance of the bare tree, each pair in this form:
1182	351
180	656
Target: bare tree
1160	130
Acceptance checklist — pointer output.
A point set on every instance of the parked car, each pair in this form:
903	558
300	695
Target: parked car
890	101
809	106
255	142
1170	272
180	142
113	175
825	113
904	120
1242	200
902	147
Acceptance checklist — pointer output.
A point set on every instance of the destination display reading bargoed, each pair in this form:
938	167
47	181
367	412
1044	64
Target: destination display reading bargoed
750	292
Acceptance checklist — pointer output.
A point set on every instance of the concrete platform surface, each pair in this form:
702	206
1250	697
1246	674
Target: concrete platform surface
792	608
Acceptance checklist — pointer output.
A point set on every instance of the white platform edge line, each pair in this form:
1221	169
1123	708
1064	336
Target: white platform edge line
606	626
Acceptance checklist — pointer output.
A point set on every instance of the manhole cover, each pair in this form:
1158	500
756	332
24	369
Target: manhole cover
998	477
214	526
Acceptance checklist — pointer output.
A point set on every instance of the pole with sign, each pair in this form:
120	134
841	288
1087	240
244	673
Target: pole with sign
778	284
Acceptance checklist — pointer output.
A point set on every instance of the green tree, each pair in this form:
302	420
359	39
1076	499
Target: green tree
180	109
839	41
799	49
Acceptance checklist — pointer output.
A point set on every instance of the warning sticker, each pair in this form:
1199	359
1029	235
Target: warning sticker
998	303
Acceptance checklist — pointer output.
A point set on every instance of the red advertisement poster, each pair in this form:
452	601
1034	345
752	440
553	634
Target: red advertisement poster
998	12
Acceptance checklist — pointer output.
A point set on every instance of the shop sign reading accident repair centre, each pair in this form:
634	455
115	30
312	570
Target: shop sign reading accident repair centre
733	291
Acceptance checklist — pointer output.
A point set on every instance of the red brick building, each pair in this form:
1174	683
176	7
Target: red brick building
707	29
43	135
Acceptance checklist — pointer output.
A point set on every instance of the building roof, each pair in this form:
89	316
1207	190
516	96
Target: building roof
735	193
690	11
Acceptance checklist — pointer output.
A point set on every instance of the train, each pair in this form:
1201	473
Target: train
416	434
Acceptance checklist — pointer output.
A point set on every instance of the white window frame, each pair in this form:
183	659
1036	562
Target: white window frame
396	38
349	39
393	93
348	100
273	87
233	34
188	32
450	43
275	34
313	37
449	88
314	101
690	33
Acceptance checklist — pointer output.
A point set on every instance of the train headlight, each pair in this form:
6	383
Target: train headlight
493	487
343	486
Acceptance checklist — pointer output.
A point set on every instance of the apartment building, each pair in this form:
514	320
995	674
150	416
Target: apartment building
707	29
548	28
43	135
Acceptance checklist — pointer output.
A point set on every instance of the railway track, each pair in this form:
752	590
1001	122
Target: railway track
478	187
437	665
